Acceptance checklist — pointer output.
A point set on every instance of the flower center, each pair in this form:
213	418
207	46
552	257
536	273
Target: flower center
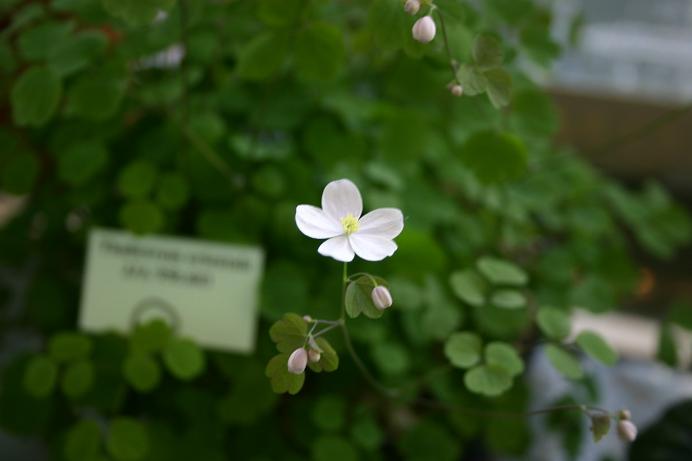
350	224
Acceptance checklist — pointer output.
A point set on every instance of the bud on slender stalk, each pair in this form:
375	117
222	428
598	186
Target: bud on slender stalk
627	430
424	29
412	6
307	318
456	90
297	361
314	355
625	414
381	297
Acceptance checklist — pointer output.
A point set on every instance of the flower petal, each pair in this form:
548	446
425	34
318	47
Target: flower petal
383	222
371	247
341	198
315	223
338	248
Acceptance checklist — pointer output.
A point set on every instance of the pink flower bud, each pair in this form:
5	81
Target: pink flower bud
627	430
456	90
381	297
412	6
314	355
424	29
297	361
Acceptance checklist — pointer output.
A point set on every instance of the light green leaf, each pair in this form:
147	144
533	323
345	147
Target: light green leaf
40	376
499	87
141	217
469	287
463	349
502	272
151	336
83	441
329	359
281	379
596	347
78	378
487	51
289	333
319	52
142	372
358	297
504	356
508	299
488	380
183	358
127	440
472	80
564	362
553	322
35	96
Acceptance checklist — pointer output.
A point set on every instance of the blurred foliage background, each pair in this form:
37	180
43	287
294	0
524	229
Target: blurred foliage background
213	119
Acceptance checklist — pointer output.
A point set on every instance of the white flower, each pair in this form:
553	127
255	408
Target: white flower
424	29
381	297
339	220
297	361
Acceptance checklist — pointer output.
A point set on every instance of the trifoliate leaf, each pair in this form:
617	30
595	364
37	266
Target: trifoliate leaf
183	358
40	376
281	379
127	440
83	441
468	287
358	297
600	426
35	96
463	349
289	333
488	380
499	86
329	359
494	157
504	356
596	347
487	51
564	362
554	323
472	80
501	272
77	378
319	52
142	372
508	299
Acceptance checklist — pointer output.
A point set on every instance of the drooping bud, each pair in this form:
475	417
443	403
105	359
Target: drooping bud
297	361
307	318
314	355
424	29
381	297
625	414
412	6
627	430
456	90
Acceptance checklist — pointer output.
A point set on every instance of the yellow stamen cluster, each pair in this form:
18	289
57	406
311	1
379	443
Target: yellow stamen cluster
350	224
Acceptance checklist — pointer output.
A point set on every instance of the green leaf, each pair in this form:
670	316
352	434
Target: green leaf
534	113
141	217
366	433
19	173
600	426
472	80
281	379
597	348
83	441
502	272
137	179
39	42
333	448
488	380
504	356
183	358
40	375
429	440
69	346
554	323
358	298
508	299
279	12
78	378
289	333
329	413
391	358
142	372
319	52
263	57
35	96
150	337
463	349
329	359
487	51
494	157
76	52
127	440
468	287
173	191
96	95
82	161
136	12
564	362
499	87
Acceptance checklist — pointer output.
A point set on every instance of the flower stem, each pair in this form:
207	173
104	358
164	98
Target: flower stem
452	61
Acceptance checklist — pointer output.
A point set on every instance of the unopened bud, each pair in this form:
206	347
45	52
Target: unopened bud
627	430
412	6
314	355
625	414
381	297
297	361
456	90
307	318
424	29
